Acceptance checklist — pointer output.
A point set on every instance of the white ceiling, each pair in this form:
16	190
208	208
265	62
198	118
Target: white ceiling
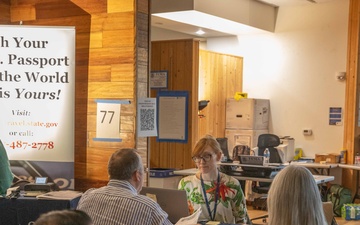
189	24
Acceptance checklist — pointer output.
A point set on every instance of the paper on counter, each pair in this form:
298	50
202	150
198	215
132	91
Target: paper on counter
62	195
190	220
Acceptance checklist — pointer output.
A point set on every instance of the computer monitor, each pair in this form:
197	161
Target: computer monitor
172	201
41	180
224	147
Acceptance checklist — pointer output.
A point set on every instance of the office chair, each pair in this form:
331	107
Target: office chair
269	141
20	183
223	142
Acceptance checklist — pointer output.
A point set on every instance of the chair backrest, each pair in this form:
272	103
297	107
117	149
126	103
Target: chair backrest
223	142
328	212
240	150
269	141
20	183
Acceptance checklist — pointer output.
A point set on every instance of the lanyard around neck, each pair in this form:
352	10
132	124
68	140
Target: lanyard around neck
212	217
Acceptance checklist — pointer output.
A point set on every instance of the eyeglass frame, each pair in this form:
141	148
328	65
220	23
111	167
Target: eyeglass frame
197	159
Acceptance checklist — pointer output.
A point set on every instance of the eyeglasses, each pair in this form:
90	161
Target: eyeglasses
206	158
144	170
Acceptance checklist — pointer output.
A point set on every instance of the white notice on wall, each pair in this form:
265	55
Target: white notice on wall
172	118
146	120
108	119
335	116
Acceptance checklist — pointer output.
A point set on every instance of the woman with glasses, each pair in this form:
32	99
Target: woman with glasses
218	195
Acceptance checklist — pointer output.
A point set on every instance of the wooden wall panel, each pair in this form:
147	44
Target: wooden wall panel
24	12
180	59
123	72
92	7
102	22
64	9
100	73
111	90
212	76
118	38
5	11
105	56
351	116
220	77
81	23
120	6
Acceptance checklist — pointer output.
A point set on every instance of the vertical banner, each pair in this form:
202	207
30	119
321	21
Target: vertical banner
37	82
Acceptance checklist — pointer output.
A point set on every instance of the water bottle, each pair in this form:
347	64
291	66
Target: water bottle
266	156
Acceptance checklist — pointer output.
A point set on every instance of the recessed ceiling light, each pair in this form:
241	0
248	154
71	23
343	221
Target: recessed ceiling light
200	32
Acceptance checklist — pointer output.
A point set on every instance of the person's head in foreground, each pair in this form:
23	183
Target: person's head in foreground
126	164
119	202
64	217
294	198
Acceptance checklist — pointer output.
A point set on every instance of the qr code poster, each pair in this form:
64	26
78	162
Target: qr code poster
146	119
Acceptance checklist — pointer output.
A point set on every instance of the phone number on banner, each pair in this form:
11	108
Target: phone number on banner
33	145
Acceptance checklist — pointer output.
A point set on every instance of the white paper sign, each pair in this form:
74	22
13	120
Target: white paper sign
108	120
158	79
146	119
172	118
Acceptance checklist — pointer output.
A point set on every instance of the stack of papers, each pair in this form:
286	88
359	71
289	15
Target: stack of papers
33	193
61	195
190	220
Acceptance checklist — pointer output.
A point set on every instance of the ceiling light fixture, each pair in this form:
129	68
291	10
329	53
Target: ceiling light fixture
200	32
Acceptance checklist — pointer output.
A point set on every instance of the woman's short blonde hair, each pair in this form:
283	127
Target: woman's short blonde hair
205	141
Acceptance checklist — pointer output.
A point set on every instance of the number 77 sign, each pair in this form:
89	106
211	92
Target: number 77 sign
108	120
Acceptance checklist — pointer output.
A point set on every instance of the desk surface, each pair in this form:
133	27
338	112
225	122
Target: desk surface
318	178
26	209
350	166
192	171
316	165
305	164
270	165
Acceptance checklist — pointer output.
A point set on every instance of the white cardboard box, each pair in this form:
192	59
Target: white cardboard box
247	113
